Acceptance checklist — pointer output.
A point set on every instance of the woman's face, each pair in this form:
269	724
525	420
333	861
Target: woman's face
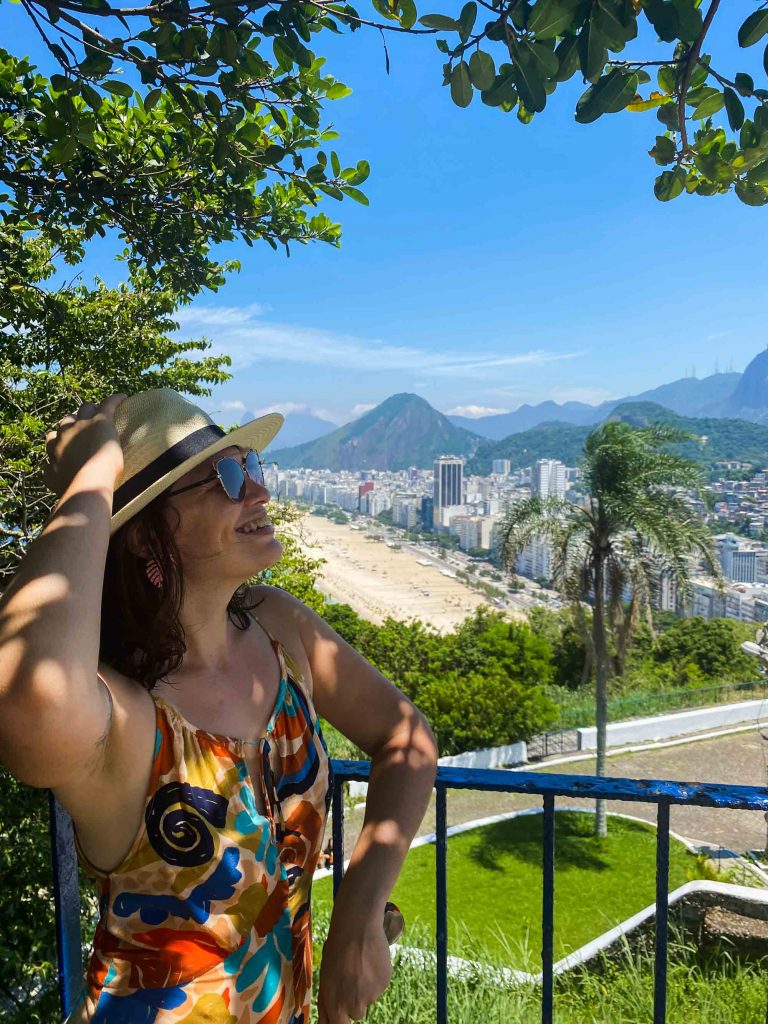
207	535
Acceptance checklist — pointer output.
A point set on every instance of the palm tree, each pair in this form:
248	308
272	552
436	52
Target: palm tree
634	529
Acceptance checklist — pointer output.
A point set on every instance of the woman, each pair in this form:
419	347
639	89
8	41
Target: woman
179	727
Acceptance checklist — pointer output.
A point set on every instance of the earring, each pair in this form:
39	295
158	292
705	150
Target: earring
154	574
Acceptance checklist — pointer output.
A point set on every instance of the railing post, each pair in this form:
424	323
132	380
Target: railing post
337	831
662	913
441	850
548	910
66	890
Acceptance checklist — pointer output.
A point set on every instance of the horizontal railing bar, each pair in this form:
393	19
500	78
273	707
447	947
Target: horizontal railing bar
592	787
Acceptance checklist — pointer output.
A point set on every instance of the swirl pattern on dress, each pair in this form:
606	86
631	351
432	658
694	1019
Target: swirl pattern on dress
176	819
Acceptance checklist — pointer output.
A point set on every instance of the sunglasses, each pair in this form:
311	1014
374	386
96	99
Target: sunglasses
231	475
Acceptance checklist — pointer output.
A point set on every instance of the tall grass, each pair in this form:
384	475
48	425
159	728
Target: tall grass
701	989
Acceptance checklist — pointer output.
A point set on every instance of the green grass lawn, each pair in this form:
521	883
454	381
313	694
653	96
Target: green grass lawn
495	885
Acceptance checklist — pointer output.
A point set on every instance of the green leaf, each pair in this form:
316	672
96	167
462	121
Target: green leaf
667	79
335	165
461	86
551	18
338	91
408	13
734	109
690	21
618	24
117	88
61	152
527	76
669	116
152	98
356	194
502	91
593	52
708	106
95	65
751	195
544	57
440	21
663	16
758	175
467	19
669	184
664	151
567	53
714	168
91	97
481	70
744	83
609	95
754	28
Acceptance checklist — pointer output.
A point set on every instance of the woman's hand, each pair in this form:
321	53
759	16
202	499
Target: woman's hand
80	437
356	967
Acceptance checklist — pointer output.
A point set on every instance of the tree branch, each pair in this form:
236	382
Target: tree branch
690	62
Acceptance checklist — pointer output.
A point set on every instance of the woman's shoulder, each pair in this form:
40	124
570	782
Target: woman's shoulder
280	613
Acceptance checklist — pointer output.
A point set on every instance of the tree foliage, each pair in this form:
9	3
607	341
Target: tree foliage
712	123
180	127
185	126
634	531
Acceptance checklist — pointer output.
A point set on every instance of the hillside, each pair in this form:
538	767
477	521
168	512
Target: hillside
722	439
402	431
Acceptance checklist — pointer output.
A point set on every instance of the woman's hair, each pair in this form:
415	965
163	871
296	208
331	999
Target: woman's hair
141	635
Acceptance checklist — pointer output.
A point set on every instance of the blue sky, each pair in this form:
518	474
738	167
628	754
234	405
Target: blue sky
496	264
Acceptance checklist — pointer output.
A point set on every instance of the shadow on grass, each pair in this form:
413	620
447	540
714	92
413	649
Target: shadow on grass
576	846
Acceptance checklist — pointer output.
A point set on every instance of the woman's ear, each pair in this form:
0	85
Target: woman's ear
135	539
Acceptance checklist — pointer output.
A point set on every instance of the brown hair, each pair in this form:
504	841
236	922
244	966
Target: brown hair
141	635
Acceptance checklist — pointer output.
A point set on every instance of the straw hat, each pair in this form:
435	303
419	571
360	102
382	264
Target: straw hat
163	436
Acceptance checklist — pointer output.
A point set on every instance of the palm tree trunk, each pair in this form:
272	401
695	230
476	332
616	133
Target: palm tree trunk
601	688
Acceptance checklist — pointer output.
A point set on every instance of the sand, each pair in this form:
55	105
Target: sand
377	581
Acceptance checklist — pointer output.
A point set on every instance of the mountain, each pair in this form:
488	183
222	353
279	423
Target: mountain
298	428
688	396
749	399
715	439
402	431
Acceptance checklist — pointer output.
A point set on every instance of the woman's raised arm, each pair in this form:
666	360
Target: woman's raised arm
54	711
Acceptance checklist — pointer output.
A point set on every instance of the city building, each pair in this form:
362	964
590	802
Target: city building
548	479
501	467
448	485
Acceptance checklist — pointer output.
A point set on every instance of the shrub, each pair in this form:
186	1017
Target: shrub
485	709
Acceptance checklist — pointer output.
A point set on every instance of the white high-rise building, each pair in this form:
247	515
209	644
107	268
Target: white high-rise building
548	479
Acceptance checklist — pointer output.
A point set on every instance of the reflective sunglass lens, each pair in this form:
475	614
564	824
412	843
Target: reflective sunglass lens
253	467
232	478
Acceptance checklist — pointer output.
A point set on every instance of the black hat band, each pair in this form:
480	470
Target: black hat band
193	443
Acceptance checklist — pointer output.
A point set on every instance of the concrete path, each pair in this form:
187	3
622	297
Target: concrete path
737	759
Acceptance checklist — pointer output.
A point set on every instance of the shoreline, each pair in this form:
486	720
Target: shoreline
377	581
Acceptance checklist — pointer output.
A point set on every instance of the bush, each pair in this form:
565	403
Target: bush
484	710
712	645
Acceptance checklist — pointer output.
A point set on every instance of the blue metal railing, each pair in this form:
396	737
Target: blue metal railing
549	786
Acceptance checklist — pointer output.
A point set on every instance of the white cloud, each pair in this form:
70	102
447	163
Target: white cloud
474	412
218	316
237	406
249	340
359	410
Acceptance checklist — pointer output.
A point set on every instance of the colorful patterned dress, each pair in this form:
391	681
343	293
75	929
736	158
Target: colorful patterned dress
208	918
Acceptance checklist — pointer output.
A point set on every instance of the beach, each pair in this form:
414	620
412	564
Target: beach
378	581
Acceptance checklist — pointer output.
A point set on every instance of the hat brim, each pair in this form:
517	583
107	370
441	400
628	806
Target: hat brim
256	434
